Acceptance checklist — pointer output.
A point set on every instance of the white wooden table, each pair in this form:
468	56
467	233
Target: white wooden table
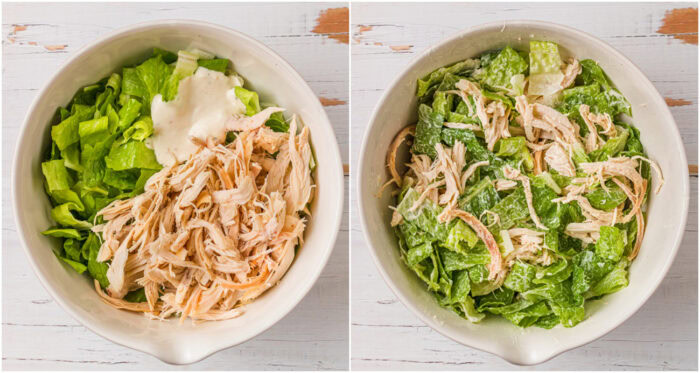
663	334
36	333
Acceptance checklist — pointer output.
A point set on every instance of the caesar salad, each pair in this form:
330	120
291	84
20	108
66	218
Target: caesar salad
525	190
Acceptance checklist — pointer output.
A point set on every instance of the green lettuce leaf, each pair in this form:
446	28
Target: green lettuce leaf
613	281
141	130
146	80
479	197
611	148
511	209
93	131
606	200
521	276
65	133
431	80
611	244
249	99
185	66
515	148
454	261
62	233
589	268
277	123
127	115
63	216
507	64
77	266
98	270
136	296
442	103
428	131
528	316
57	176
461	238
497	298
544	57
215	64
72	249
132	154
424	217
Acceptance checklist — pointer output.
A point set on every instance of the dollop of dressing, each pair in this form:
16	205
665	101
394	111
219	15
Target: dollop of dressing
204	101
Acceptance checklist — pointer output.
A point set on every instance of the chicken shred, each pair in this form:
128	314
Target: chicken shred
496	270
556	158
214	232
513	174
492	114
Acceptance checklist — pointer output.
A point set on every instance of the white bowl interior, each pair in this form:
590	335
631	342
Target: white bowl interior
277	82
666	213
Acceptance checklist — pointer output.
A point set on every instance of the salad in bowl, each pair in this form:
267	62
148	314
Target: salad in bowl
525	191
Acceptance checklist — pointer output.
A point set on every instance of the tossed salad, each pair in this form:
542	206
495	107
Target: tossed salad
525	192
175	189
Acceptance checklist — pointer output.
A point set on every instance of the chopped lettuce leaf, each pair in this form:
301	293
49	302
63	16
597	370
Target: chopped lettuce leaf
249	99
511	209
611	244
62	233
77	266
132	154
146	80
140	130
507	64
428	131
185	66
544	57
606	200
63	216
431	80
479	197
521	276
515	148
56	174
98	270
214	64
614	281
65	133
460	235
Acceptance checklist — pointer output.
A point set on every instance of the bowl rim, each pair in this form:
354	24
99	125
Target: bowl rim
495	27
145	26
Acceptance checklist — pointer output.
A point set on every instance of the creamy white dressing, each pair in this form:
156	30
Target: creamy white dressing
204	102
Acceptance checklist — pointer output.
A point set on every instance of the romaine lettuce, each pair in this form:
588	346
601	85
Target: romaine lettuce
507	64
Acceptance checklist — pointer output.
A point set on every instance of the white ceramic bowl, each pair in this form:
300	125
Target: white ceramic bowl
276	81
666	214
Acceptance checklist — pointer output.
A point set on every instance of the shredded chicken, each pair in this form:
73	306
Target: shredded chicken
525	110
593	140
557	159
492	114
620	167
496	269
214	232
513	174
504	184
572	69
391	156
528	246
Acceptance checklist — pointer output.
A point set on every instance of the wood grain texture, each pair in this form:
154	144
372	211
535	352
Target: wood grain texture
37	333
385	334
